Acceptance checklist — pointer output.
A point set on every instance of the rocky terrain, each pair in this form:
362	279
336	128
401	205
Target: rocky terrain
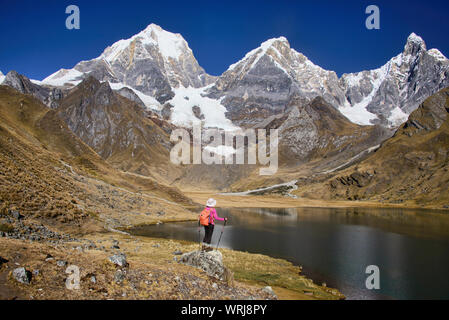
118	129
48	96
36	264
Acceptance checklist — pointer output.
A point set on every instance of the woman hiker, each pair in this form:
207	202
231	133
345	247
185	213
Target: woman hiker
207	219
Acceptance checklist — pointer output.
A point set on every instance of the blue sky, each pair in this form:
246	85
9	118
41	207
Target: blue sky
35	42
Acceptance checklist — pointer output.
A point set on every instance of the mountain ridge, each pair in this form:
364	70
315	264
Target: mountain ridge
159	65
384	96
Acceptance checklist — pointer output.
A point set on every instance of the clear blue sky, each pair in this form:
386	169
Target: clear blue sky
35	42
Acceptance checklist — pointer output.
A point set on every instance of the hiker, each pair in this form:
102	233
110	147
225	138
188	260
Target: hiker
207	219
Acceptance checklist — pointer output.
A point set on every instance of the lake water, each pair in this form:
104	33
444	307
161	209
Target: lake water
410	247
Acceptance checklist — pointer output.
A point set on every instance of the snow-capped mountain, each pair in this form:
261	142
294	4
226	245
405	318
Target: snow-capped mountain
2	77
153	62
160	68
267	78
389	94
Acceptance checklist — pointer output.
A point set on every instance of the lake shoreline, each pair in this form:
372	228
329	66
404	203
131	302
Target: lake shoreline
273	201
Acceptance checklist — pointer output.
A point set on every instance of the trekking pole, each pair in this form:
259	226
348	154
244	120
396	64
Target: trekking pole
199	235
222	229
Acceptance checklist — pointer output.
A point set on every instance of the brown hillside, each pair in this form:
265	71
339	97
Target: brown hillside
412	167
47	172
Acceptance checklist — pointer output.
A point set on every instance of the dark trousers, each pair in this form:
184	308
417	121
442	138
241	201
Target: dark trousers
209	230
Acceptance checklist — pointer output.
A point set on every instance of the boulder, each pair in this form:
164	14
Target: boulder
119	259
210	262
119	276
22	275
269	290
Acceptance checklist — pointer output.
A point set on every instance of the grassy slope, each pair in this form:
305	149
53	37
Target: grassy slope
47	171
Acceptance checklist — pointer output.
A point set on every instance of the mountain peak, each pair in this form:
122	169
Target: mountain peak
274	42
414	44
100	91
158	28
260	51
413	37
152	26
171	45
437	54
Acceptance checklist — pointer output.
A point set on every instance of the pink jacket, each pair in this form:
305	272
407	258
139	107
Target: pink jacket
214	215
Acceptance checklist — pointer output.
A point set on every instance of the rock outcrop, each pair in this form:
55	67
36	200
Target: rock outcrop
115	127
49	96
210	262
22	275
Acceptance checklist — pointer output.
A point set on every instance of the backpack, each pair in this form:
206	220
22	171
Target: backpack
205	217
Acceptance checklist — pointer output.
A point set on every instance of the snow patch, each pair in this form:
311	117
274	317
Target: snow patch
397	117
2	77
64	76
353	79
38	82
187	98
149	102
358	112
291	184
